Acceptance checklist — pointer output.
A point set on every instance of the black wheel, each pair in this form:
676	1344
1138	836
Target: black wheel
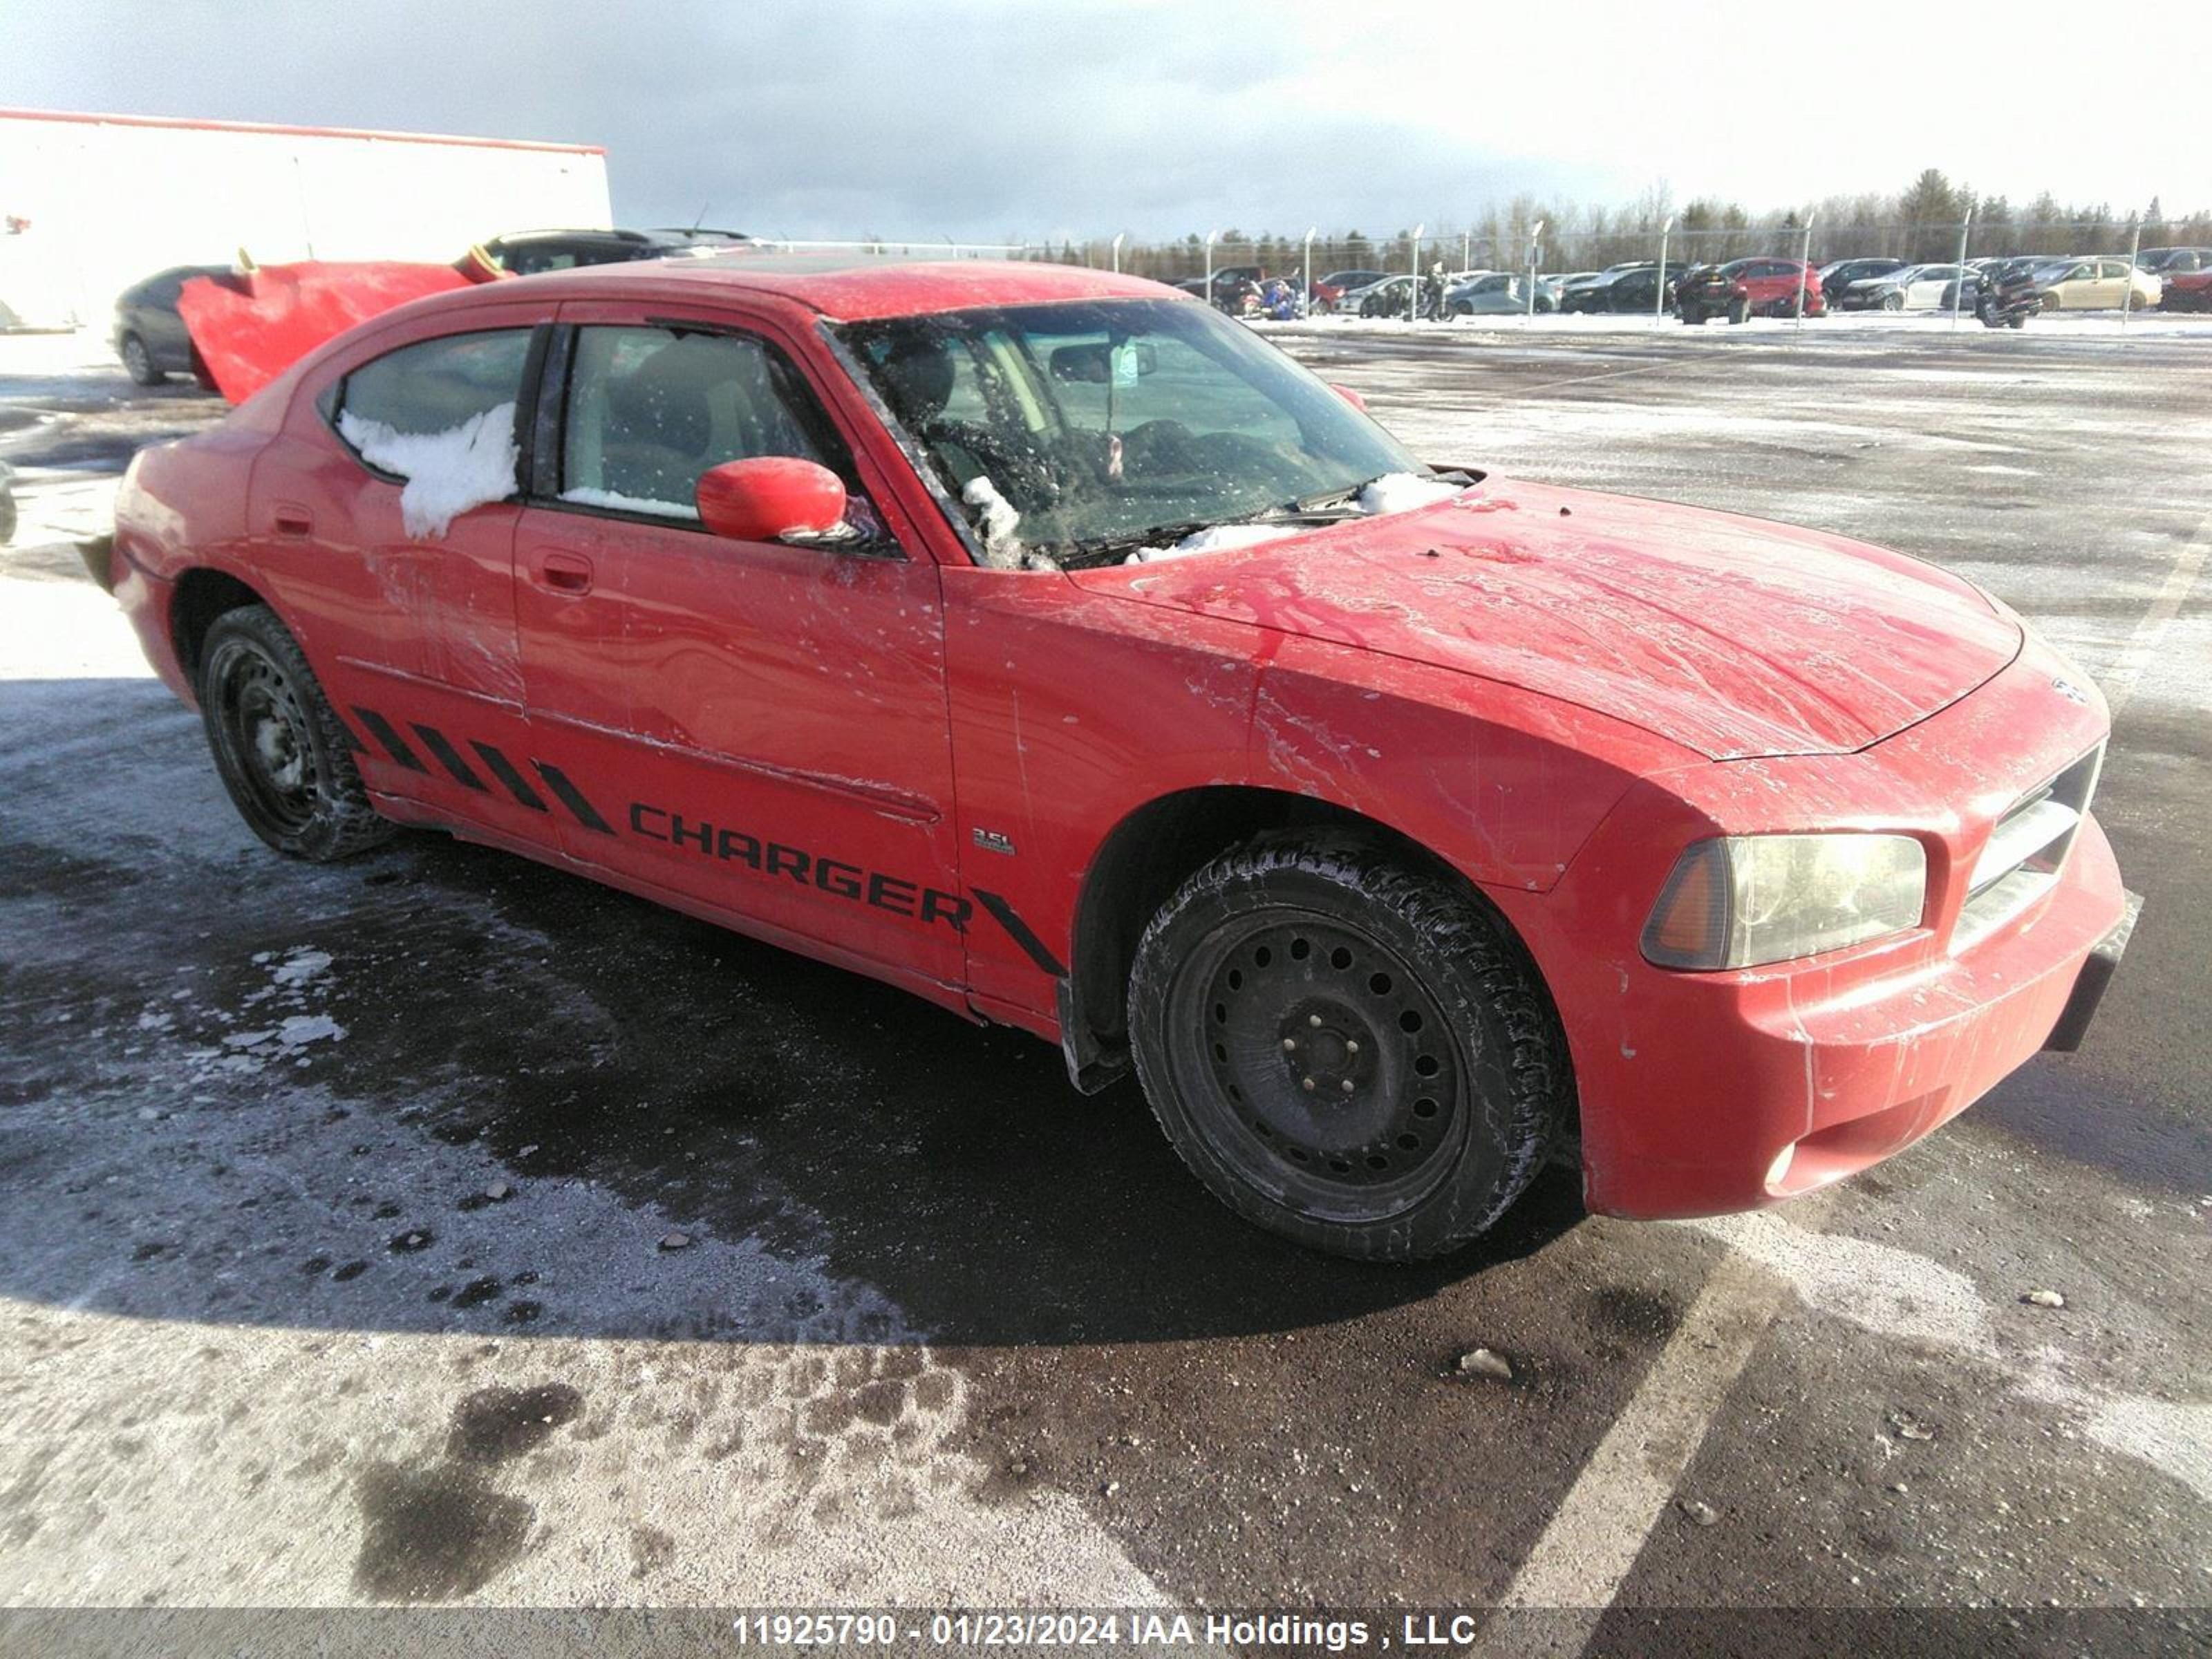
1893	301
2019	319
1739	309
281	751
1690	314
1349	1054
138	362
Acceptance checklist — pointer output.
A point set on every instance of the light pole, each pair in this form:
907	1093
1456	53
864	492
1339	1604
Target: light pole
2135	247
1805	270
1659	299
1959	289
1210	235
1305	295
1413	294
1534	237
1118	235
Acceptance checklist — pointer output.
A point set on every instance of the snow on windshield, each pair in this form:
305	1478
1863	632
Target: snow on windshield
1394	492
447	472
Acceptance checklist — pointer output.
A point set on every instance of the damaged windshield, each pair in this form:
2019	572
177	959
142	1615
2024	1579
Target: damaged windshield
1085	430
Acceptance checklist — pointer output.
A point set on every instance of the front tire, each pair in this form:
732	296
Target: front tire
279	749
1348	1053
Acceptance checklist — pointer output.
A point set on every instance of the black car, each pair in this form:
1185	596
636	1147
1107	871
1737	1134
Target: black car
148	335
1635	290
2174	261
527	252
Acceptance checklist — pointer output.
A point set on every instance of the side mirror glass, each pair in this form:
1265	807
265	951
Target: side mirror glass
771	497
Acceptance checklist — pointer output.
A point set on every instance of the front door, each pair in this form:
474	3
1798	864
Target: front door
759	727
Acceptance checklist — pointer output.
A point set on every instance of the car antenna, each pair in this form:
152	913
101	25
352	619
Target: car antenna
701	219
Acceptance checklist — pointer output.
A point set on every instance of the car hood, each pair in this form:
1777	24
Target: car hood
1733	637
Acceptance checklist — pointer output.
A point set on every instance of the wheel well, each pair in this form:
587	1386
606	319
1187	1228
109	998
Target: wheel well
202	595
1150	854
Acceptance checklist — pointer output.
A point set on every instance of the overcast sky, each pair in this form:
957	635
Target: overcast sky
1054	118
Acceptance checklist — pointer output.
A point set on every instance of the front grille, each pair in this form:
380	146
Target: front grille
2025	854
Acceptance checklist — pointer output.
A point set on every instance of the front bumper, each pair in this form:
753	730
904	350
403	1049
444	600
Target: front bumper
1704	1093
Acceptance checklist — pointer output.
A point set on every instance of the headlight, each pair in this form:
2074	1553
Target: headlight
1739	901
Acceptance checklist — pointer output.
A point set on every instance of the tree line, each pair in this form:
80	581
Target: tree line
1922	222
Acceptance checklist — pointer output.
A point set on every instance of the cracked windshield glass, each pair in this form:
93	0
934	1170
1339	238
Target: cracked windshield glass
1089	431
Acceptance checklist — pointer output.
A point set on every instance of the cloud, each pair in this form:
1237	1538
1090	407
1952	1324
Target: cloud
981	119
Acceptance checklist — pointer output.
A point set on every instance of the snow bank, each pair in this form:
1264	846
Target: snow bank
615	499
1394	492
447	472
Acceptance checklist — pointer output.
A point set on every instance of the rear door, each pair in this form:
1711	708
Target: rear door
759	727
403	595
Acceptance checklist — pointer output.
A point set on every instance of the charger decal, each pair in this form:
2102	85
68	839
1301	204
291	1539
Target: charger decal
833	878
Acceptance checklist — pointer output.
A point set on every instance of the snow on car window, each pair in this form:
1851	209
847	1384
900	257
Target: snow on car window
1112	425
447	472
440	414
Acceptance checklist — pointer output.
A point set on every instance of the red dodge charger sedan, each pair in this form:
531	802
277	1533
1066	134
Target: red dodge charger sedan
1048	644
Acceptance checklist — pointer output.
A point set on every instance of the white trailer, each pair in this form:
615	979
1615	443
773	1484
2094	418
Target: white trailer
91	203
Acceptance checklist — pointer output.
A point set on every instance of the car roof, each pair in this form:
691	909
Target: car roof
847	287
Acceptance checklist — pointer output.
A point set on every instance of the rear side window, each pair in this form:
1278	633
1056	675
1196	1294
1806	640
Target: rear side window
651	409
440	415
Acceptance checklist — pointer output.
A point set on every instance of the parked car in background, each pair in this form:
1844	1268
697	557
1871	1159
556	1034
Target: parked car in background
1913	287
1329	291
1838	276
2174	261
1388	298
1499	293
1635	290
527	252
2104	282
148	335
1744	289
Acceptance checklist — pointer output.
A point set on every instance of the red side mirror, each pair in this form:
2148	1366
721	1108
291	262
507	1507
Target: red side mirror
1351	397
758	500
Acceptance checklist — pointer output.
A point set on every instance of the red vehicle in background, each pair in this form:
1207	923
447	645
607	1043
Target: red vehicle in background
1329	291
1744	289
1045	643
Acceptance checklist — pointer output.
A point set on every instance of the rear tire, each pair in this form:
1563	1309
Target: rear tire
279	749
1348	1053
1693	316
2050	303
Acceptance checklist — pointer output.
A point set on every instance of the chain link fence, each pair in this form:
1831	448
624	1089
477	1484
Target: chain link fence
1417	270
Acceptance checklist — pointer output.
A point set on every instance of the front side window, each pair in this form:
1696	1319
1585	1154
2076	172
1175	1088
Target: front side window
1105	423
652	408
440	416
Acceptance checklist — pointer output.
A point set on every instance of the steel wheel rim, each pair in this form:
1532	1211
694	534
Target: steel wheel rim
1286	1008
135	357
266	728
